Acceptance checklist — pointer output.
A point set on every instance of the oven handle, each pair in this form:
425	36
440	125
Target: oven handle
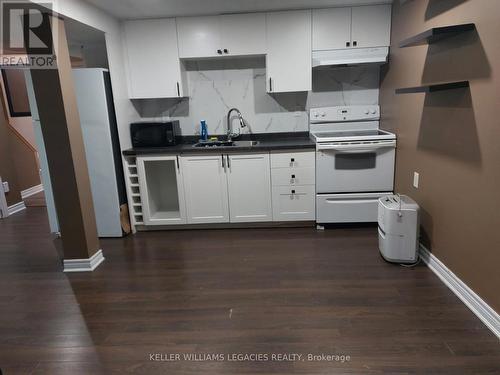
350	201
355	149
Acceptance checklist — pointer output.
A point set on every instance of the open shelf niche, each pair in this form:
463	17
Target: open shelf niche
437	34
434	87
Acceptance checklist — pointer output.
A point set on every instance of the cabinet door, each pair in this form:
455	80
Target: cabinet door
199	36
288	57
331	28
371	26
205	187
243	34
162	190
153	66
249	186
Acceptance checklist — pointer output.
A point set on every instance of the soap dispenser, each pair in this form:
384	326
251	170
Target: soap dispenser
204	131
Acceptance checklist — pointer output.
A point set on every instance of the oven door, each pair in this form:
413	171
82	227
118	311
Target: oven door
351	167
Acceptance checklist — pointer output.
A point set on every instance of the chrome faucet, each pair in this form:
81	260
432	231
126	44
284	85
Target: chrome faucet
230	134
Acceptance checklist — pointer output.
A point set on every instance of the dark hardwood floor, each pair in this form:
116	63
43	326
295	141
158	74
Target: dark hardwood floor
229	291
36	200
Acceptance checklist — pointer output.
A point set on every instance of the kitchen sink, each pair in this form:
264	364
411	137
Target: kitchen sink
210	144
245	143
215	144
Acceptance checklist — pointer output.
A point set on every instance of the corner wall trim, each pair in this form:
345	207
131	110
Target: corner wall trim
15	208
31	191
479	307
84	265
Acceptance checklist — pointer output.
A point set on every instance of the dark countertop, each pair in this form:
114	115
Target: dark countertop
267	142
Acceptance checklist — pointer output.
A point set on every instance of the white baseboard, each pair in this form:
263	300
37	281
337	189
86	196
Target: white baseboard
84	265
15	208
31	191
479	307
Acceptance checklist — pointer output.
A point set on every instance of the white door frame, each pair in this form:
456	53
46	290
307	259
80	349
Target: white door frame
4	209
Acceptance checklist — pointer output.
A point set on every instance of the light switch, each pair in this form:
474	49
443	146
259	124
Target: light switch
6	187
416	179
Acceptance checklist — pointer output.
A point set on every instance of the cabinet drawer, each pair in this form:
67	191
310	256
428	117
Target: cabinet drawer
293	176
305	159
294	203
348	208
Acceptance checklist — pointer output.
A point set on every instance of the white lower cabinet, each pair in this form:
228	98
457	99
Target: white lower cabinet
221	188
205	187
227	188
162	190
294	203
249	185
293	177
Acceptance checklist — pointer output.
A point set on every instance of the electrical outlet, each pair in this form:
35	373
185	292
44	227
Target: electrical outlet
6	188
416	179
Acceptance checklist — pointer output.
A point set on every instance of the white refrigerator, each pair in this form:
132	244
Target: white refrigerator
102	149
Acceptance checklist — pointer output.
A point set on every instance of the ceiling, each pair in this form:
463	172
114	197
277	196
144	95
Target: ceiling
79	33
132	9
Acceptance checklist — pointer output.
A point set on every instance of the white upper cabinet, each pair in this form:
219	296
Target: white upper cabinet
243	34
356	27
249	185
199	36
289	49
371	26
205	186
153	66
331	28
226	35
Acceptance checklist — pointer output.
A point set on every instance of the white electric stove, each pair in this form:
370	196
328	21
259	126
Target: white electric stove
354	163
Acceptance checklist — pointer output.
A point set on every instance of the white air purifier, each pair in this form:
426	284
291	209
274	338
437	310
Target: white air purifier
398	228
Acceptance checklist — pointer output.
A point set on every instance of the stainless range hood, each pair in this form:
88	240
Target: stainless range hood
352	56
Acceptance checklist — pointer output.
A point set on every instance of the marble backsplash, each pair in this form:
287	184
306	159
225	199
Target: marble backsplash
217	86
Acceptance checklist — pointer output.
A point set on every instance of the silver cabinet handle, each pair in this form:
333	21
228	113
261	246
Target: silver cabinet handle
178	165
228	162
178	90
270	84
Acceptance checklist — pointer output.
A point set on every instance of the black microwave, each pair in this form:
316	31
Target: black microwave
154	134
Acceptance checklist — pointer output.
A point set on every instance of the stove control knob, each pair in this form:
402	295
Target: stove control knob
316	114
323	114
367	111
374	111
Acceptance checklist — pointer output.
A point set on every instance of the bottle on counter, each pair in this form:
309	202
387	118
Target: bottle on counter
204	131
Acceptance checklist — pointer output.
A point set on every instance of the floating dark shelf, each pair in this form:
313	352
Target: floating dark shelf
436	34
434	88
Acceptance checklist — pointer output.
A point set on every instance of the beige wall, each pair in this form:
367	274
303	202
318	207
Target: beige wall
18	164
451	138
22	125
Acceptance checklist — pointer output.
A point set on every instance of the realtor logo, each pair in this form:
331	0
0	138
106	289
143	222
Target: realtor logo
26	30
